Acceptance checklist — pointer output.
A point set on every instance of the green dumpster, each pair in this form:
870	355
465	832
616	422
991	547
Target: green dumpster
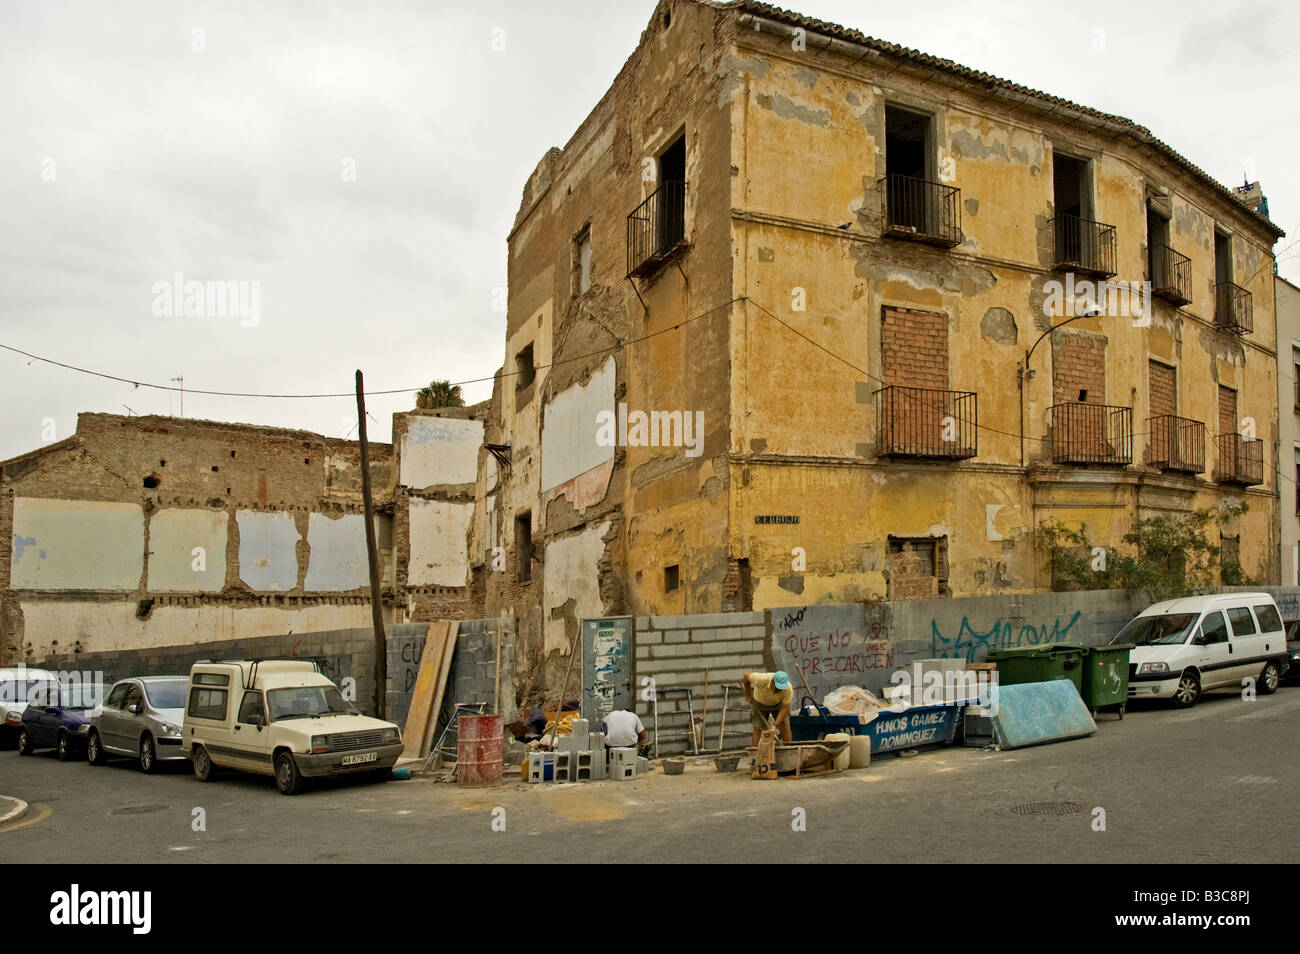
1041	664
1105	677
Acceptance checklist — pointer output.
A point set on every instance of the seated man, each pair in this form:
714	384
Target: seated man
768	694
623	730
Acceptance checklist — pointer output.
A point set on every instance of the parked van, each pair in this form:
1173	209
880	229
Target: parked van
1186	646
281	718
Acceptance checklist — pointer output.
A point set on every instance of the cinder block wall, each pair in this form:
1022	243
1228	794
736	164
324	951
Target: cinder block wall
473	676
684	652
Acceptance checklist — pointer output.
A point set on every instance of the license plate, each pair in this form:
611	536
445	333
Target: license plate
361	759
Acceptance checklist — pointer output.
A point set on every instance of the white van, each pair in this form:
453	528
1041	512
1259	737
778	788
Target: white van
1183	647
282	718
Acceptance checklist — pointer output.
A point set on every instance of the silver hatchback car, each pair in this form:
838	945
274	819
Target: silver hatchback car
139	718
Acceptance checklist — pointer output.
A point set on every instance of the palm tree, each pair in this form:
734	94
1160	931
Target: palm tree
439	394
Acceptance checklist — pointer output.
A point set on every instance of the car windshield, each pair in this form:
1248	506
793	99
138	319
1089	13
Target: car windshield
168	694
1157	630
305	702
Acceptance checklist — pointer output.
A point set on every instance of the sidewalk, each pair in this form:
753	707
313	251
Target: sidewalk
11	809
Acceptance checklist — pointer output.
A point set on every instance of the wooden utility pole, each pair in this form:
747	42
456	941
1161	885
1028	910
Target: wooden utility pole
376	606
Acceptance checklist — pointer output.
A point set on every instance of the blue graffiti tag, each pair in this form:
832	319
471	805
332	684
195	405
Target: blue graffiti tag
1003	635
21	544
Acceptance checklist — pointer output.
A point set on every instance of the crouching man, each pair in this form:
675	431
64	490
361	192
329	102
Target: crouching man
768	694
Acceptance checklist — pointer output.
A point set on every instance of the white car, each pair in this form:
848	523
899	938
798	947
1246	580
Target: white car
280	718
1186	646
16	686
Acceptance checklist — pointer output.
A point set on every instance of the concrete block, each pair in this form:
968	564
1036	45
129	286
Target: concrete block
668	622
642	766
642	652
622	771
599	768
677	636
584	774
642	622
597	741
584	759
650	637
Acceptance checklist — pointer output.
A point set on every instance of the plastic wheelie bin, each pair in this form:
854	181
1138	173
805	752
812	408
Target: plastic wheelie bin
1041	664
1105	678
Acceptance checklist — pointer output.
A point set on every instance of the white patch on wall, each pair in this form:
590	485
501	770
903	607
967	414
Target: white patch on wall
337	560
569	446
174	533
440	450
571	572
268	554
439	543
76	545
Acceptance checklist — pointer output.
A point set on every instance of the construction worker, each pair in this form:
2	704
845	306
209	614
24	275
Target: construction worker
623	730
769	695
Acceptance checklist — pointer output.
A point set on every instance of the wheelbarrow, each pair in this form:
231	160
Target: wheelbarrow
805	758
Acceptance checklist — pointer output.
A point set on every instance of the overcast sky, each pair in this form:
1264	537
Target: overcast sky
363	162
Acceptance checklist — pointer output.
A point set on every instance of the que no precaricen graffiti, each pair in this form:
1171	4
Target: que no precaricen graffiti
1004	634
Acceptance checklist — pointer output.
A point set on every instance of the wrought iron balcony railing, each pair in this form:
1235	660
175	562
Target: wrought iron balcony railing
1176	443
926	422
921	211
1233	308
1092	434
1084	246
1241	460
656	227
1171	275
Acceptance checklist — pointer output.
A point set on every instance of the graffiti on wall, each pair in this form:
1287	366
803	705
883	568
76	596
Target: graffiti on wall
831	645
969	642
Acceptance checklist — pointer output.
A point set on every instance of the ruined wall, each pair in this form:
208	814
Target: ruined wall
153	531
811	487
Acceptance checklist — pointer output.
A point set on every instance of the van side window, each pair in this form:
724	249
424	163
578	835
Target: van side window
207	704
1214	628
1269	620
251	706
1243	624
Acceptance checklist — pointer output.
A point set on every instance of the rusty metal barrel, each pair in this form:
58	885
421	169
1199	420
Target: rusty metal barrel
479	750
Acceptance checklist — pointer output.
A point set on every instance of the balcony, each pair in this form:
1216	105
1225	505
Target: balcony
1092	434
656	227
920	211
1084	246
1233	308
926	423
1241	460
1176	443
1171	275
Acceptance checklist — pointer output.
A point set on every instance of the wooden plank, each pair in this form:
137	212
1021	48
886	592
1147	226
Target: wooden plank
450	632
416	730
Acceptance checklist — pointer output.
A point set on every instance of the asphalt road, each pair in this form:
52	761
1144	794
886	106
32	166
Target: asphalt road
1216	783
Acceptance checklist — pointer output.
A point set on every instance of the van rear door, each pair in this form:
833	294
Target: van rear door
208	715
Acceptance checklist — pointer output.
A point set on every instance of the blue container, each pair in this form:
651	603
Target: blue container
889	731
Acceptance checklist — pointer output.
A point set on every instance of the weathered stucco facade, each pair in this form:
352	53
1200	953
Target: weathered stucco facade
139	532
729	237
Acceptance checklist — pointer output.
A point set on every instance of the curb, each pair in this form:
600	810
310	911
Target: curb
14	813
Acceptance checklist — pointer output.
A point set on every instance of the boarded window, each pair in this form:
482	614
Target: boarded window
918	567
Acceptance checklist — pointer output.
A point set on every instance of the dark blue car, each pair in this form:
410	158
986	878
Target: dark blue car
55	719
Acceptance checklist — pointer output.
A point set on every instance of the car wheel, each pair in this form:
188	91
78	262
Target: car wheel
1189	690
95	751
64	748
24	743
287	777
1269	679
148	755
202	764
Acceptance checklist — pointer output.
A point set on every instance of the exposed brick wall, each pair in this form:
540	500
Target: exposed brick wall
918	568
1078	364
1163	388
914	348
1227	410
